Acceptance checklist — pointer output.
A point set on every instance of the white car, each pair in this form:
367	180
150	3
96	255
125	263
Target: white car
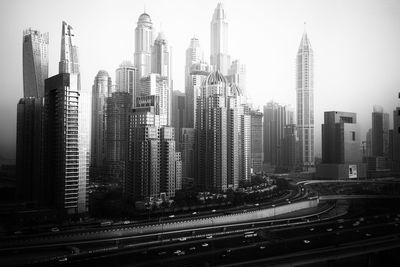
182	239
306	241
204	245
171	216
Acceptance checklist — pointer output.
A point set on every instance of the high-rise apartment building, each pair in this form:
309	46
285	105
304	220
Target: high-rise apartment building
275	116
178	113
119	106
101	90
161	58
305	101
217	129
67	131
154	84
194	54
219	57
256	151
290	147
244	141
126	79
35	46
151	162
197	75
143	44
29	152
30	182
237	75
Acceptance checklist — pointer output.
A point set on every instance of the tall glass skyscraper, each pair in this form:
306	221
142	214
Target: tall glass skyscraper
305	101
161	58
35	62
143	43
101	90
67	131
219	57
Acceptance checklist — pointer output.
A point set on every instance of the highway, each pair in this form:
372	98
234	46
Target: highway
309	233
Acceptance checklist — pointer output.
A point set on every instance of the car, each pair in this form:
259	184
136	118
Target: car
204	245
192	248
182	239
256	204
311	229
341	227
368	235
356	223
194	213
171	216
179	252
262	247
62	259
329	230
209	236
127	222
228	250
213	211
55	229
306	241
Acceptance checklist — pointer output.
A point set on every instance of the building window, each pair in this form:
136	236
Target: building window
353	136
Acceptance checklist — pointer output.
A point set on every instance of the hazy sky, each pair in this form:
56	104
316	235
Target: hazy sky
356	47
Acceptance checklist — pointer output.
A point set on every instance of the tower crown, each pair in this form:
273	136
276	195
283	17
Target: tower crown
144	18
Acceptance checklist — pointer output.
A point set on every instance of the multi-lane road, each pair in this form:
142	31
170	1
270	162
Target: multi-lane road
318	234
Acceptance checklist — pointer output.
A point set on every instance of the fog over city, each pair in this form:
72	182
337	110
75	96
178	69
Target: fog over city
356	48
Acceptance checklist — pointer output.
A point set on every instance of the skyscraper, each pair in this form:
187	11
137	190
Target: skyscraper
161	58
194	54
35	62
143	43
101	90
29	152
217	133
275	116
119	106
67	131
126	79
380	132
244	139
396	138
178	113
151	163
154	84
30	182
305	100
290	147
219	57
237	75
197	75
257	155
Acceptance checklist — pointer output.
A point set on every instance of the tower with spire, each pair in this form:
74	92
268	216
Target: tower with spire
143	44
305	100
219	57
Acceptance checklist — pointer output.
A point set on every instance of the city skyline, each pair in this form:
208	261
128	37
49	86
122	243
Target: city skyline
331	51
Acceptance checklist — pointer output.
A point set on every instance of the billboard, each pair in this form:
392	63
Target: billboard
352	171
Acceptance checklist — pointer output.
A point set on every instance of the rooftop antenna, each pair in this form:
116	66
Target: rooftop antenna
305	26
